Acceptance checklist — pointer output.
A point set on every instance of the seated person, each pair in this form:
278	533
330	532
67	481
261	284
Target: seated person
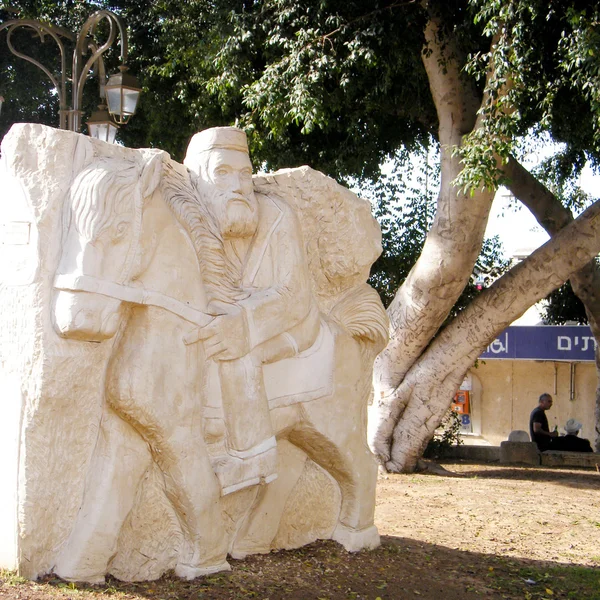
570	442
538	423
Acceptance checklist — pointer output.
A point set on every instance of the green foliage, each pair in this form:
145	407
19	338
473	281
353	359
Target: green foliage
338	84
404	202
563	306
445	436
541	69
11	578
334	84
27	96
330	89
560	173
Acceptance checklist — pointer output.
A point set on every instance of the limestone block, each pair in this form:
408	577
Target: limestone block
519	452
553	458
185	358
518	435
52	396
474	452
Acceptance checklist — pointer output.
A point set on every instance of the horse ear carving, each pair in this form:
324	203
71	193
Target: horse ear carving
83	155
151	173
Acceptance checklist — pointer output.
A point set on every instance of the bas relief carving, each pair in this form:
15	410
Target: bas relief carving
208	341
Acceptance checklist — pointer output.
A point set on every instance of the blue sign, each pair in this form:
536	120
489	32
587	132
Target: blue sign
546	342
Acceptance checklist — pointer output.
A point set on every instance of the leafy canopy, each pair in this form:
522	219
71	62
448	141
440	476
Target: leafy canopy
338	84
542	68
334	84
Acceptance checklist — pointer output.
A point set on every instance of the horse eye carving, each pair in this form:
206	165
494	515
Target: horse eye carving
121	229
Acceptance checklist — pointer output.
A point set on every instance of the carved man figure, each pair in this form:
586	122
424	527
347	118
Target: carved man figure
273	317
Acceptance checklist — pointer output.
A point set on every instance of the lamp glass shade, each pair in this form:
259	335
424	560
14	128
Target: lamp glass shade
122	103
101	126
122	95
103	131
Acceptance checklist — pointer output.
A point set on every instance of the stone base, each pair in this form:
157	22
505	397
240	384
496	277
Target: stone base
189	573
474	452
518	435
520	452
570	459
354	540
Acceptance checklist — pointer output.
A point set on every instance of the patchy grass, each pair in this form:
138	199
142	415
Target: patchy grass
10	578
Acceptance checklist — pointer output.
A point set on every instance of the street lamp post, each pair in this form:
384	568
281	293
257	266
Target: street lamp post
121	91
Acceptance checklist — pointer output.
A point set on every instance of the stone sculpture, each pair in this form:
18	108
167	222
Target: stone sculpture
186	358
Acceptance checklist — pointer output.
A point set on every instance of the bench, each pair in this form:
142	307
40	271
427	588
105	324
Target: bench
528	453
554	458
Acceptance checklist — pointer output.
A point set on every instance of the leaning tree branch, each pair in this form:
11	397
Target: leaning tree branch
553	216
432	380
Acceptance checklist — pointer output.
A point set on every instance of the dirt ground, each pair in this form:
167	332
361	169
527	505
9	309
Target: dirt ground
531	513
485	531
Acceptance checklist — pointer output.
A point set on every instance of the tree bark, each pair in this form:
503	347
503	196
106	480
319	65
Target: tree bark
553	216
453	243
430	384
415	378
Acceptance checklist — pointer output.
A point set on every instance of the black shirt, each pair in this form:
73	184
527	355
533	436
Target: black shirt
571	443
539	416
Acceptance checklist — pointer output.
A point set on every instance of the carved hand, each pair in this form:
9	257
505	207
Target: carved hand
226	337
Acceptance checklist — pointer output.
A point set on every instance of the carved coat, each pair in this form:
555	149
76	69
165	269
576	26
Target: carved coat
283	318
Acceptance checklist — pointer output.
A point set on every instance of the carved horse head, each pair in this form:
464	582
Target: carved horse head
101	238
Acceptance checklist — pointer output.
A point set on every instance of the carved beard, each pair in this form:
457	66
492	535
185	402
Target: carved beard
238	218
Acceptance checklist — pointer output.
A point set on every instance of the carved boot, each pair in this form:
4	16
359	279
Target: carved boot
238	470
251	448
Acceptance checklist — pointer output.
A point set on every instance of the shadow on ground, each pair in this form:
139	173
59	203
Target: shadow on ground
575	478
401	568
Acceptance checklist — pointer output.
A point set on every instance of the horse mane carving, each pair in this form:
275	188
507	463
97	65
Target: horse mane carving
221	276
95	196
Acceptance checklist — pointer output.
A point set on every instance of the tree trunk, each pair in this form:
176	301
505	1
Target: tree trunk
415	378
453	243
553	216
429	386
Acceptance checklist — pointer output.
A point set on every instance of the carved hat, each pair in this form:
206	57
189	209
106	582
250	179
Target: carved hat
227	138
573	426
